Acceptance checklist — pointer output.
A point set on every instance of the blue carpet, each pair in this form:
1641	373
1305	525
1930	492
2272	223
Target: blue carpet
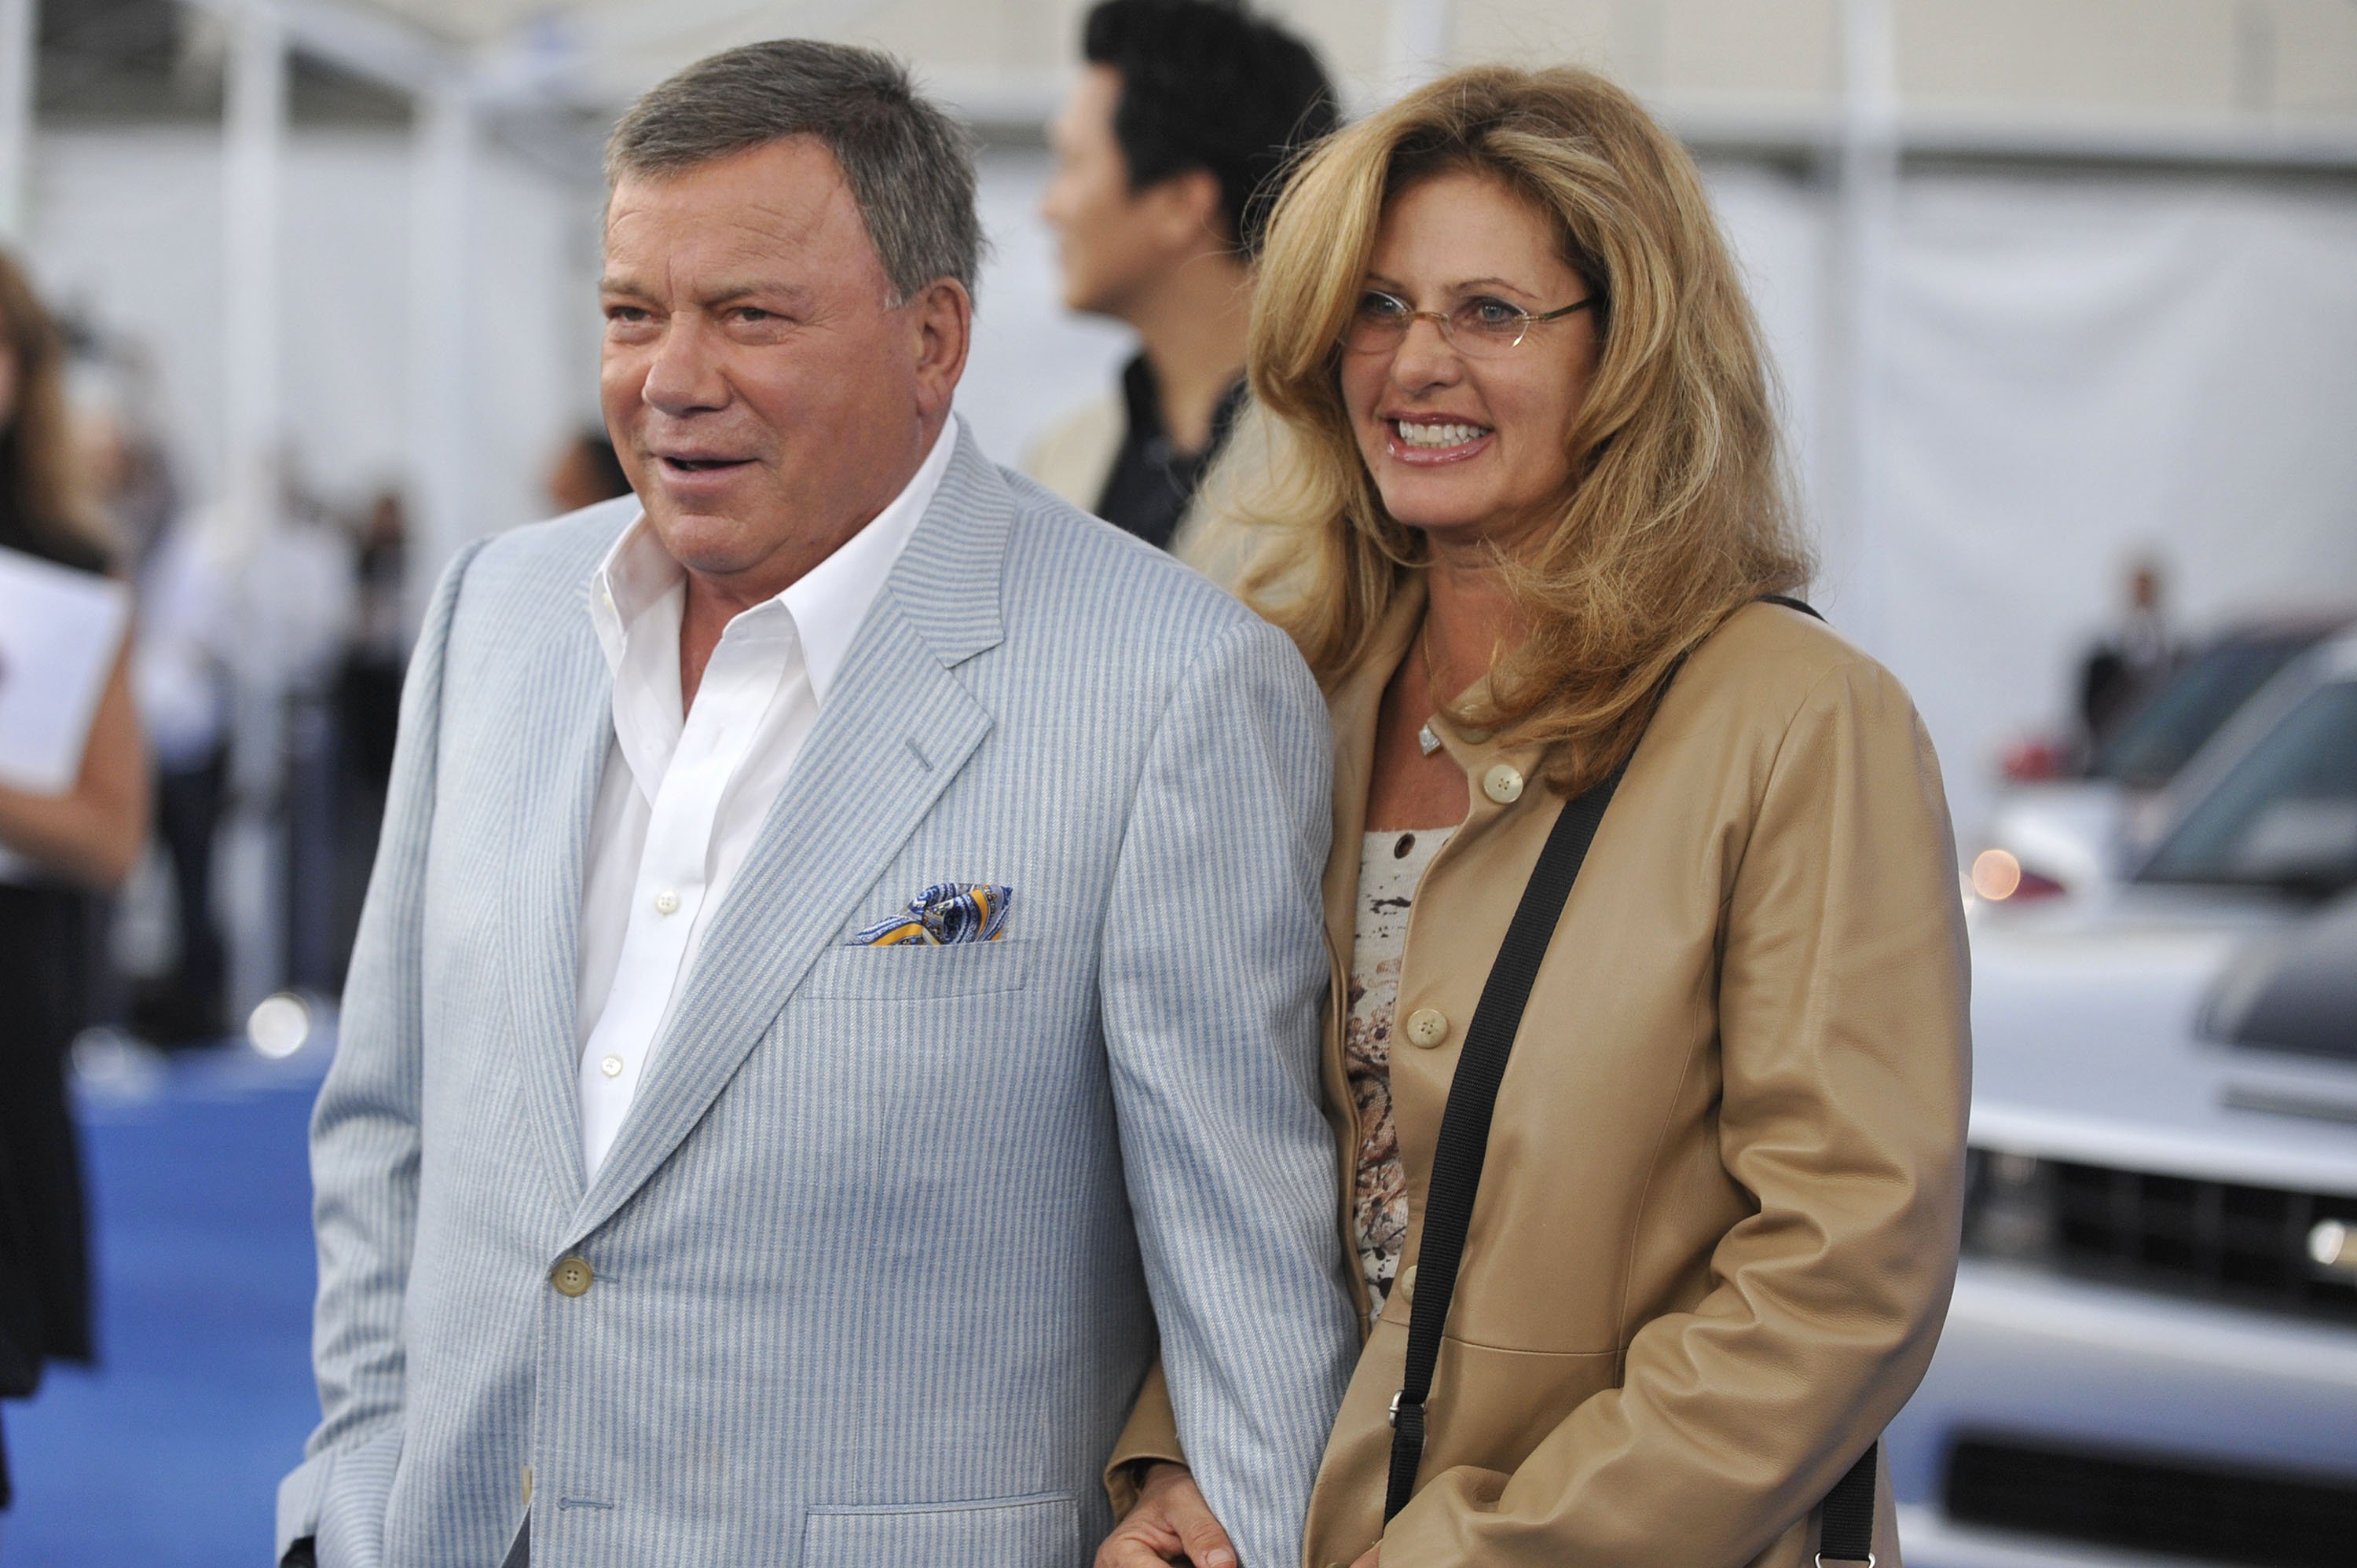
169	1454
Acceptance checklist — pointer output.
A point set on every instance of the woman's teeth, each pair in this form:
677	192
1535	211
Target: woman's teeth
1413	434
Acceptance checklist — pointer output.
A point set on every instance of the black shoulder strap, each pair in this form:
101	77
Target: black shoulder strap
1847	1532
1464	1122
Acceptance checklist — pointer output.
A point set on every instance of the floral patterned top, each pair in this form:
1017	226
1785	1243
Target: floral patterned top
1390	866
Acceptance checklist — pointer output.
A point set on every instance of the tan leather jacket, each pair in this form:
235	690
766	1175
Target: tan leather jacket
1719	1222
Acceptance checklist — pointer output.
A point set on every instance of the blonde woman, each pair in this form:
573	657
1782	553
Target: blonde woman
1528	525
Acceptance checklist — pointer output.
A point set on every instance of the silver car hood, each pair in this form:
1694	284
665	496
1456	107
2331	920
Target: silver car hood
2087	1045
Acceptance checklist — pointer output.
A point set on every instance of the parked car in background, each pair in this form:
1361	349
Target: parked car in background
2152	1353
2059	829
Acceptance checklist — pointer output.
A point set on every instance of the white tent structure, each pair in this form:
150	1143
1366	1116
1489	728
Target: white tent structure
2050	281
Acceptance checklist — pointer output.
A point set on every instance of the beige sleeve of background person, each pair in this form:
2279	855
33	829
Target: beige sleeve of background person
1074	456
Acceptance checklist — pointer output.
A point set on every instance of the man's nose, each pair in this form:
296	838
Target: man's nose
684	374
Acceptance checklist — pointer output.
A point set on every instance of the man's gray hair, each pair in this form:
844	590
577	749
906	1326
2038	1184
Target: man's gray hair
910	164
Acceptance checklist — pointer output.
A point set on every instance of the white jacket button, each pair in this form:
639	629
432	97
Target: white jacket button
1502	784
1427	1026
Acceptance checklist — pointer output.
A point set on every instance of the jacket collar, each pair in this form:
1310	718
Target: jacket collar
1356	704
947	580
1356	707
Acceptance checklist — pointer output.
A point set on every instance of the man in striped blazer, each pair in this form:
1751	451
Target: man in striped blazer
838	987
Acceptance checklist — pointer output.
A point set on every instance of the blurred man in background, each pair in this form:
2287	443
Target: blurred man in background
2128	666
1166	156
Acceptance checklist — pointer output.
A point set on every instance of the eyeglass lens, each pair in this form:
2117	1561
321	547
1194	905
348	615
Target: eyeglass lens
1479	326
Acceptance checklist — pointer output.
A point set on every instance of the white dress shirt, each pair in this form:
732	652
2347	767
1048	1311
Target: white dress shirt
683	796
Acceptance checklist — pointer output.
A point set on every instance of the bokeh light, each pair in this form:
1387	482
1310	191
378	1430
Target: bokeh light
1996	874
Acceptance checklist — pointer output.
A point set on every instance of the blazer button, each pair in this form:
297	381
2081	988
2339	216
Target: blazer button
1406	1286
1427	1026
572	1276
1503	784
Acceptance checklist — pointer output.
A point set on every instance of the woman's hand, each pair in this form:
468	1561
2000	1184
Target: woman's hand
1369	1561
1171	1523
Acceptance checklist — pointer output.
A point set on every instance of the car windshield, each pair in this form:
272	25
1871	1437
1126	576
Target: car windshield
2286	814
2195	702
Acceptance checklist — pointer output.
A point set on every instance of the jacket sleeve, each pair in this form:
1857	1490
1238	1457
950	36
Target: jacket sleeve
1844	1054
364	1148
1213	973
1150	1433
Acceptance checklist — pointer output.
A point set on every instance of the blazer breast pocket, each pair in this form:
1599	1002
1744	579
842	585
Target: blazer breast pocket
1042	1530
916	971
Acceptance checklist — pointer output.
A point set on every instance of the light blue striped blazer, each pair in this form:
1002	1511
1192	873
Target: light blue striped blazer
891	1233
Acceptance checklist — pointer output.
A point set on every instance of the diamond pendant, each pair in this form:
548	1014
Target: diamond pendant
1426	739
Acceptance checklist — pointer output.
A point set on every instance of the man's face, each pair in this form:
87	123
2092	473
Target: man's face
764	393
1113	243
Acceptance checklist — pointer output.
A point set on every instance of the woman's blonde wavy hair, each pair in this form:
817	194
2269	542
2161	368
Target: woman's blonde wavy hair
1679	512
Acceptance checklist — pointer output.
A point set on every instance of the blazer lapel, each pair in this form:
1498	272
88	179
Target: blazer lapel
555	798
896	729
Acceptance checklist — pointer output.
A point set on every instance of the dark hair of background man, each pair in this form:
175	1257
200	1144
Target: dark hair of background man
1205	85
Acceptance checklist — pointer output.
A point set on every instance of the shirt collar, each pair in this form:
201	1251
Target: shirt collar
825	605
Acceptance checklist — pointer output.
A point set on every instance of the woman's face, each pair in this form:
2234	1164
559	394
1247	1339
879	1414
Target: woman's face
1462	446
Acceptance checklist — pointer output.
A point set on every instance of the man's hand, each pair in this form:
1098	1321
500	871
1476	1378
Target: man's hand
1171	1523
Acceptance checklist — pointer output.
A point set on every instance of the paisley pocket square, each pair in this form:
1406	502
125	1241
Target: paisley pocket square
944	913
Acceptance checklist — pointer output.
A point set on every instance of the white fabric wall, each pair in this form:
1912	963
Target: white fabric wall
2079	367
125	231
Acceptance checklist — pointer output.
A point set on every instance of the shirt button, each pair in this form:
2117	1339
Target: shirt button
1502	784
571	1276
666	902
612	1066
1427	1026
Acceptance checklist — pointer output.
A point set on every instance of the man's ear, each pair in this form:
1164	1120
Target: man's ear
940	331
1189	208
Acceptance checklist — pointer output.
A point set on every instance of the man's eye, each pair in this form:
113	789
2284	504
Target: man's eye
751	313
625	313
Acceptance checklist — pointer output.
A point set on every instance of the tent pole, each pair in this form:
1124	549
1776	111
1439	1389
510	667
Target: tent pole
252	176
442	171
19	47
1856	306
254	152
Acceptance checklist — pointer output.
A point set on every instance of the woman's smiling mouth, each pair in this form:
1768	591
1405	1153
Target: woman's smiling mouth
1425	441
